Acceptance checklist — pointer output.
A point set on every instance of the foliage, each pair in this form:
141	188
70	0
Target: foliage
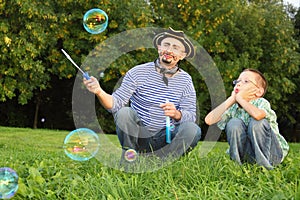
236	34
33	32
45	172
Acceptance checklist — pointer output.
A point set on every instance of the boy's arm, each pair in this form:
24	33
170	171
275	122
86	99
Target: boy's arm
215	115
253	111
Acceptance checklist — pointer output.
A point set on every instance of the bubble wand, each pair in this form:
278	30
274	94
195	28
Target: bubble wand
85	74
168	127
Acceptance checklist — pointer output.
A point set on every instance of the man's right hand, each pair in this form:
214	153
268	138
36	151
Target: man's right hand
92	85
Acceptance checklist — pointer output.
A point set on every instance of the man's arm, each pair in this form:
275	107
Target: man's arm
93	86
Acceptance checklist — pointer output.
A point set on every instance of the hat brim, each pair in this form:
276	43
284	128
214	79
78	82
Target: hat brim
189	48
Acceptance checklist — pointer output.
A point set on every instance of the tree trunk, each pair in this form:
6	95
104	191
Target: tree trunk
36	113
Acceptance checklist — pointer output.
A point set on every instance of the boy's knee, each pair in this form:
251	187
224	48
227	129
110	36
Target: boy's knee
258	126
234	124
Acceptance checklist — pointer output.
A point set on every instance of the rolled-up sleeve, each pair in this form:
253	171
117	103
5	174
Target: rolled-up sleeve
187	105
224	119
122	95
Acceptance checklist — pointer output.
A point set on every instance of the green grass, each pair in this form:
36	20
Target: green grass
45	172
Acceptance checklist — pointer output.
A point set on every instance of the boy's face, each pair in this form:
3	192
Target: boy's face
247	81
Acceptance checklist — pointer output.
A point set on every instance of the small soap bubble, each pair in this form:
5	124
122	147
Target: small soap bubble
81	144
101	74
8	183
95	21
130	155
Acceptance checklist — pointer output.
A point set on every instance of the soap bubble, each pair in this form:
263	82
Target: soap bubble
130	155
95	21
101	74
81	144
8	183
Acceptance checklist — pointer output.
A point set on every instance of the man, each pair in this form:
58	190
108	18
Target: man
156	90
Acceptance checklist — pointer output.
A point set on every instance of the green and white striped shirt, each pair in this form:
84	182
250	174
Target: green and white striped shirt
237	112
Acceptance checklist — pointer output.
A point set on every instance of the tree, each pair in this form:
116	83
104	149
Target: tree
237	34
34	32
291	120
241	34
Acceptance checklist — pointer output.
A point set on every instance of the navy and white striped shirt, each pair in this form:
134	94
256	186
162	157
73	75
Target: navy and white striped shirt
143	86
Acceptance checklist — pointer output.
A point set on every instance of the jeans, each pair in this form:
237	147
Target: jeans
133	135
255	143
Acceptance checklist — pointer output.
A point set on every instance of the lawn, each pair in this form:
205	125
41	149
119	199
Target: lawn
45	172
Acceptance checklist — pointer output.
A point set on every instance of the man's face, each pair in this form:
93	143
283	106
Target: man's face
171	51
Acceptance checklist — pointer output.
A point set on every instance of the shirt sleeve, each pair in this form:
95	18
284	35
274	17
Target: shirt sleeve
224	119
187	105
264	105
122	95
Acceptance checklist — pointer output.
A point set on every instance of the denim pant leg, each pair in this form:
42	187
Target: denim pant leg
184	138
264	143
237	139
131	133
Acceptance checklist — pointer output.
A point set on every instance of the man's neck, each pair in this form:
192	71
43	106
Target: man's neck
164	70
168	66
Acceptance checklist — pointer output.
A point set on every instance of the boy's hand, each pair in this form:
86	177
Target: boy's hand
243	97
233	95
246	93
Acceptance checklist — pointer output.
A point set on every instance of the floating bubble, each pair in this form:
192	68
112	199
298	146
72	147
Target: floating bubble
95	21
130	155
101	74
8	183
81	144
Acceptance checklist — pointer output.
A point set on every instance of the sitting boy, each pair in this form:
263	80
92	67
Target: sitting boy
250	123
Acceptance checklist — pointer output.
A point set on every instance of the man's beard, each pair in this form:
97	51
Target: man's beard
166	61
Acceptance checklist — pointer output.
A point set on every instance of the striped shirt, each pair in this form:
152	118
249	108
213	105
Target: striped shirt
143	86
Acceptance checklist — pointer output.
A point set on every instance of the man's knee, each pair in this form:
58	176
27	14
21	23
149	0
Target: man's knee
191	131
124	115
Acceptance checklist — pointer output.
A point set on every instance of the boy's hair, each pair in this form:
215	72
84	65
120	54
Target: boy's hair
262	80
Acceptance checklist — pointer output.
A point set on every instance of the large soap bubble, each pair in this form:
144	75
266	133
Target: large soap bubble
8	183
81	144
95	21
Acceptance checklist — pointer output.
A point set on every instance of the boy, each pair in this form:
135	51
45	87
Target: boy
250	123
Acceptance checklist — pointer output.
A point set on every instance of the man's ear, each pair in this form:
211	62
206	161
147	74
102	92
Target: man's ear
182	56
159	49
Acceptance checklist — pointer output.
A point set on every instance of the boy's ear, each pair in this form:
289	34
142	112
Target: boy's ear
260	92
